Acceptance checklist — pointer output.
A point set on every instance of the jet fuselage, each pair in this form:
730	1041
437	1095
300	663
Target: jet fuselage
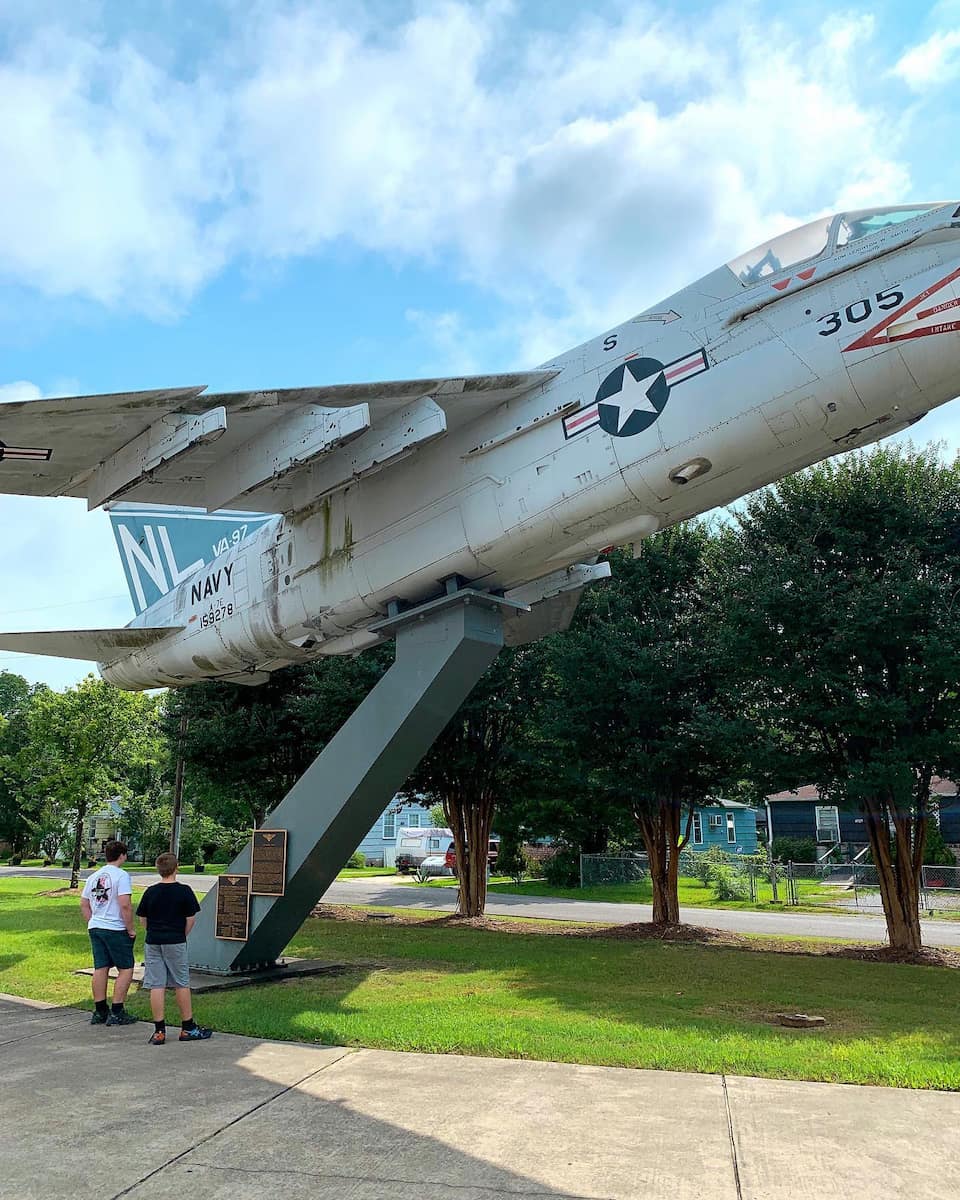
760	368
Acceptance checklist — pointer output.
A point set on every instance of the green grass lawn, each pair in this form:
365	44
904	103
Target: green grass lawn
434	987
693	894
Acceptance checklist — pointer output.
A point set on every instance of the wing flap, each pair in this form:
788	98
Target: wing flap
90	645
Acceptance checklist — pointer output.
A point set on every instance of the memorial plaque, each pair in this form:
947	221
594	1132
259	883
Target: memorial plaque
269	866
233	908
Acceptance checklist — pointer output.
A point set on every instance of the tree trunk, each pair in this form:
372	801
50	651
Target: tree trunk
78	844
899	877
660	830
470	819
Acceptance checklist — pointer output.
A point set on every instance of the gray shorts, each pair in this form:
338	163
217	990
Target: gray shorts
166	966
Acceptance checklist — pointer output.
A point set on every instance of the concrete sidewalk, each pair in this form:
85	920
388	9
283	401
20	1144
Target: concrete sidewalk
91	1113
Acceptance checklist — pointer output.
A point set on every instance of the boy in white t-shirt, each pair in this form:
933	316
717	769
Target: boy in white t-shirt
108	911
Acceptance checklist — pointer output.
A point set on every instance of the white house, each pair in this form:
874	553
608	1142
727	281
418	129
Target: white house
379	847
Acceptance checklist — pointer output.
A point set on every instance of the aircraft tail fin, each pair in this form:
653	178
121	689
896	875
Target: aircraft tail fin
89	645
161	546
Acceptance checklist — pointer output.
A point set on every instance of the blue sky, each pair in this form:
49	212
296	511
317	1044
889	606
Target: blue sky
283	193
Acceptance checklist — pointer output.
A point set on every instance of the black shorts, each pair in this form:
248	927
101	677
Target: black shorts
111	948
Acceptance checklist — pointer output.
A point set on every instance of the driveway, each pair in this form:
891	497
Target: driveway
241	1119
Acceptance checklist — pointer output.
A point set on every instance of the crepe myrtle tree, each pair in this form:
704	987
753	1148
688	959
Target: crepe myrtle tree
639	709
477	760
839	596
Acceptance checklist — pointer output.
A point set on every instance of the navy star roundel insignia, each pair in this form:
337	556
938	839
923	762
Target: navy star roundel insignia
633	395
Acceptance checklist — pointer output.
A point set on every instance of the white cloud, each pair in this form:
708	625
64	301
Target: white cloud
931	63
605	163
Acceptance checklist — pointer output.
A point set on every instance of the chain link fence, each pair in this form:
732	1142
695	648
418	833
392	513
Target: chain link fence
838	887
606	870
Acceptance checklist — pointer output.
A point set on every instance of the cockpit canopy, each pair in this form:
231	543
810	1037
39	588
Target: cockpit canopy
810	241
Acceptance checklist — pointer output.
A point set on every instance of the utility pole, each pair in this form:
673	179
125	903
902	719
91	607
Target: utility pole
178	790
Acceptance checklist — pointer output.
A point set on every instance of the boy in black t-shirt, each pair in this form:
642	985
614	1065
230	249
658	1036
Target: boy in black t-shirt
168	910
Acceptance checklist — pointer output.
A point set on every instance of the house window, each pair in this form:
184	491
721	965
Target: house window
716	820
412	821
731	828
697	829
828	823
389	826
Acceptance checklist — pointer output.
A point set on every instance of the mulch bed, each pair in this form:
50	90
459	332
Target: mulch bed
644	932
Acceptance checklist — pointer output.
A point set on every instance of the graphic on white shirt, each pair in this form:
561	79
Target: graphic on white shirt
103	889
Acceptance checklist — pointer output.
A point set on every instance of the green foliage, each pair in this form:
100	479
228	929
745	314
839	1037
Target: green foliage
799	850
726	883
699	864
246	747
511	859
437	819
936	852
638	722
837	588
357	860
563	868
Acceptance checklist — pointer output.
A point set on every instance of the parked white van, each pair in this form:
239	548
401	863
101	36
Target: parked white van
414	845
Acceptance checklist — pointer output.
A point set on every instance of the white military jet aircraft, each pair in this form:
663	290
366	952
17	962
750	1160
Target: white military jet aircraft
361	498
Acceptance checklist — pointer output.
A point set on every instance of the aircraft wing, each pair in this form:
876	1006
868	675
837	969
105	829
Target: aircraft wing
88	645
274	451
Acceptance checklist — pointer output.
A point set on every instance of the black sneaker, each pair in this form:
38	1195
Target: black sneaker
98	1018
196	1034
157	1038
122	1018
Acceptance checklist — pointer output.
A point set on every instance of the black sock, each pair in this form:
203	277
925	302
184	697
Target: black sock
117	1008
102	1008
188	1024
160	1026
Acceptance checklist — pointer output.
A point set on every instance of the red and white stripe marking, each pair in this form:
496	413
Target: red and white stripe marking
582	419
24	453
685	368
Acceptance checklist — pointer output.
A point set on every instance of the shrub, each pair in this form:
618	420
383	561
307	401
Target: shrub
48	862
936	852
563	869
356	860
702	862
199	867
511	860
726	885
91	862
791	849
15	860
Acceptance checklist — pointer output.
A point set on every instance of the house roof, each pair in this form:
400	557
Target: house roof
808	792
720	803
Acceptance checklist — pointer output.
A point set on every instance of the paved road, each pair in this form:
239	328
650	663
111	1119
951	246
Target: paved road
241	1119
381	891
827	925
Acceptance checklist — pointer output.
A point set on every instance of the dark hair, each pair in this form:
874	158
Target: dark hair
166	864
114	850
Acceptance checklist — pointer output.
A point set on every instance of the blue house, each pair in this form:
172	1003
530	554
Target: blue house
725	823
379	847
801	814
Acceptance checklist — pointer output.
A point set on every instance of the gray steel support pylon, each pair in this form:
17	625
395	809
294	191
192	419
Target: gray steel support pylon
442	650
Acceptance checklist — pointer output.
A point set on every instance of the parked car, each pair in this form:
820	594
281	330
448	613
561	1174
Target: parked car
493	851
414	845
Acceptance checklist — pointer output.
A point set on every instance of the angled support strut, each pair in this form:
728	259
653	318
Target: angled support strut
442	650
